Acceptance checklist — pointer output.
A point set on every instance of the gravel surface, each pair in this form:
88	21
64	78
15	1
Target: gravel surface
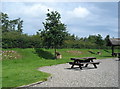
106	75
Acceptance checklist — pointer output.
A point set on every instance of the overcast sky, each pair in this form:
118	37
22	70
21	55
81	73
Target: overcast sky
82	18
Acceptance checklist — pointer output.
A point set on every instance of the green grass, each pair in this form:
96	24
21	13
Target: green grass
23	71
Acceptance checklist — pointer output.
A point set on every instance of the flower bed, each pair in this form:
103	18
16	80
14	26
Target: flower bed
9	54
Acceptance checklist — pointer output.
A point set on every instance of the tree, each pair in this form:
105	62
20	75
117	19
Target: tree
92	38
4	22
107	41
19	26
54	31
10	25
99	41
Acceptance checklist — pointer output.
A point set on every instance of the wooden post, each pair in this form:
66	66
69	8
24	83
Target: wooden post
55	53
112	50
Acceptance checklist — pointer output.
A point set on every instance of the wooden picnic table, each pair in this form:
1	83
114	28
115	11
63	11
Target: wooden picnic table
81	61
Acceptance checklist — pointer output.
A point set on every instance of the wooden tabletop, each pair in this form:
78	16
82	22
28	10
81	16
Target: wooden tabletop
83	58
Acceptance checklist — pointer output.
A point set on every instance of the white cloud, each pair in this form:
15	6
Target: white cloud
36	10
79	12
23	10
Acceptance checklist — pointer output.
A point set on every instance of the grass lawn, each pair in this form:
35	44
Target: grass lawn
23	70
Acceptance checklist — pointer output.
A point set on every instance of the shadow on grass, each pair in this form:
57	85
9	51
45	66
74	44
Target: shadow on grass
106	50
44	54
107	56
91	52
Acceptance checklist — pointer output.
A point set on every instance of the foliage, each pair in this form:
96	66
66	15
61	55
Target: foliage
92	42
17	40
11	25
99	41
107	41
54	33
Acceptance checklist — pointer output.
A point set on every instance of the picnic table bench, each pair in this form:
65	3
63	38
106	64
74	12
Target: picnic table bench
81	61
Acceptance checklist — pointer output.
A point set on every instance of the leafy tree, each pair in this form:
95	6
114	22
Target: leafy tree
99	41
54	31
92	38
19	26
10	25
107	41
4	22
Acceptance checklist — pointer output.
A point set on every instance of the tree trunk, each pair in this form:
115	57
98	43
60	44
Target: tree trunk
55	53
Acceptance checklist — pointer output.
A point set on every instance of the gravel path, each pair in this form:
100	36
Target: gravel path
106	75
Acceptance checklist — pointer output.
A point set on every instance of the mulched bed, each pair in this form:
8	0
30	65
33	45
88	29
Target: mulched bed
75	52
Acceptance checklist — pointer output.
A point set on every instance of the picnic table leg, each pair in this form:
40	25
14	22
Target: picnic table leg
72	66
86	65
73	63
80	67
95	65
